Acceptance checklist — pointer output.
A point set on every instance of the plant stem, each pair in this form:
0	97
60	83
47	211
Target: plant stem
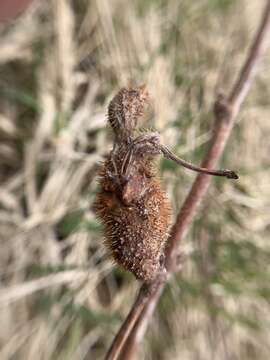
225	111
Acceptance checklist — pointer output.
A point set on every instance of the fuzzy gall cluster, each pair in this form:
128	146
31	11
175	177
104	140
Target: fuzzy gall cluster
131	204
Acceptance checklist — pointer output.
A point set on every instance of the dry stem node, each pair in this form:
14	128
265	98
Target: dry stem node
222	108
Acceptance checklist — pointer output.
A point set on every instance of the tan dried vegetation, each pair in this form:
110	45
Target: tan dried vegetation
60	64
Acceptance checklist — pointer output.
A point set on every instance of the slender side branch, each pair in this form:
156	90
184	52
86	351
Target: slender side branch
225	112
127	326
129	351
259	44
147	291
226	173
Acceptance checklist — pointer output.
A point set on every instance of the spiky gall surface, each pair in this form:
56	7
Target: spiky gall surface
131	203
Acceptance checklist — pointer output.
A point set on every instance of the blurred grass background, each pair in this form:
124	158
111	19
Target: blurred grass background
60	64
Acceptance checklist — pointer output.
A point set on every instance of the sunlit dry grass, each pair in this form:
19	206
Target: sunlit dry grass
60	64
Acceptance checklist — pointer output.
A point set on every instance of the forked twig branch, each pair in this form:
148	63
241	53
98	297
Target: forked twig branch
146	292
225	111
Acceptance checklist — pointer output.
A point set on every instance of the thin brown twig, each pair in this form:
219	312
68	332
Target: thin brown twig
139	329
225	112
146	292
127	326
